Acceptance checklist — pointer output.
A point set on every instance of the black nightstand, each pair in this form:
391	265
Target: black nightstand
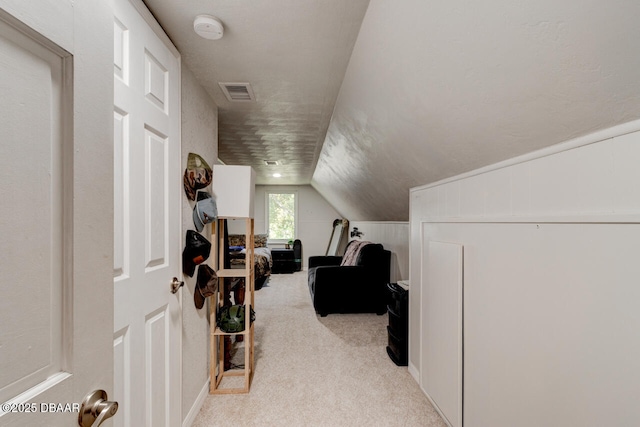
283	261
398	328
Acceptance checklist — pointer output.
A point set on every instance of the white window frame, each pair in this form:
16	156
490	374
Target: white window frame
295	214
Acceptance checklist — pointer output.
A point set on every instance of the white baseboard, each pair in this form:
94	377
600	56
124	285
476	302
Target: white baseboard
197	405
414	372
437	408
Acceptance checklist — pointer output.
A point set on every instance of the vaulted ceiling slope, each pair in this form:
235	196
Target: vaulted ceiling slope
435	89
407	92
293	53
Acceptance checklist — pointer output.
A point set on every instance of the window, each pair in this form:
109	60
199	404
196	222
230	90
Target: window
281	216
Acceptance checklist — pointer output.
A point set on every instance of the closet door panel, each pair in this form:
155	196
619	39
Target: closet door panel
442	287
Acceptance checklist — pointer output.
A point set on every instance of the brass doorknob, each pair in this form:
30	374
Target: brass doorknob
95	409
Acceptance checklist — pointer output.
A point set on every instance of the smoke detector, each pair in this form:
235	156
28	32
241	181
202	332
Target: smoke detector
208	27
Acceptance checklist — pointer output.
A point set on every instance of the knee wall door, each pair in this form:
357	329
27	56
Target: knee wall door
441	353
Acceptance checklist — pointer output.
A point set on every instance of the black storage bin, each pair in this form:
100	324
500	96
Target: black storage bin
282	261
397	348
399	298
397	323
398	311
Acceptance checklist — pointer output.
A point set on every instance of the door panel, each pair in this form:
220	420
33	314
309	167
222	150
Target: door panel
55	186
156	79
147	240
441	365
31	173
122	370
156	249
121	211
157	346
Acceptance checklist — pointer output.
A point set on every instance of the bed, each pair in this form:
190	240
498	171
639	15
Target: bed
261	254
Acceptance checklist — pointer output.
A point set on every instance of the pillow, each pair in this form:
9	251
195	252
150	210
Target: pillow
260	241
236	240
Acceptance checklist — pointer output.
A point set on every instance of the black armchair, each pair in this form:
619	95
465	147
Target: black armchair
358	288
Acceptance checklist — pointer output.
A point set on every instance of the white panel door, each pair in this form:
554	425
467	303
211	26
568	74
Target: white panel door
55	310
147	243
441	370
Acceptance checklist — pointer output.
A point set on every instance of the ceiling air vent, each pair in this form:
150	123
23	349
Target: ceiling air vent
271	162
237	91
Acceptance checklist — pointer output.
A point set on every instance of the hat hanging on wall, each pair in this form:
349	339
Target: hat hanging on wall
206	285
197	175
205	210
196	251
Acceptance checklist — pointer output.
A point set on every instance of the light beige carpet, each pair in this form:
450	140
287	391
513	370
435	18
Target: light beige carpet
319	371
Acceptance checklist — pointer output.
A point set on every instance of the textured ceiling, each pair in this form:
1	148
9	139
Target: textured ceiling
293	53
435	89
432	89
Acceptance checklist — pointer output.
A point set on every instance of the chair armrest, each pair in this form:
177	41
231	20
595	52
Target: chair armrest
347	289
335	275
316	261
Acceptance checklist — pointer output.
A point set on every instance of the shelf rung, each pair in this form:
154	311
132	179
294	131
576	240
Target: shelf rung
229	390
233	272
235	373
219	332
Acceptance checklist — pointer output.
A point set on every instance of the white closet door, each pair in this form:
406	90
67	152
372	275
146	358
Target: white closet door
441	370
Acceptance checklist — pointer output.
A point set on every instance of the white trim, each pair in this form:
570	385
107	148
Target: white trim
546	219
581	141
413	371
421	314
379	222
435	406
155	26
197	406
36	390
179	231
67	215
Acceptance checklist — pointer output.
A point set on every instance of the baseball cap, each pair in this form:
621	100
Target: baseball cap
205	210
197	175
196	251
206	285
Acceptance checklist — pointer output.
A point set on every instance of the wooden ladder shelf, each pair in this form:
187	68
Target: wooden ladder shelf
221	342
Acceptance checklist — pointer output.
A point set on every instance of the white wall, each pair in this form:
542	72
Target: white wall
200	136
550	282
394	236
315	218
